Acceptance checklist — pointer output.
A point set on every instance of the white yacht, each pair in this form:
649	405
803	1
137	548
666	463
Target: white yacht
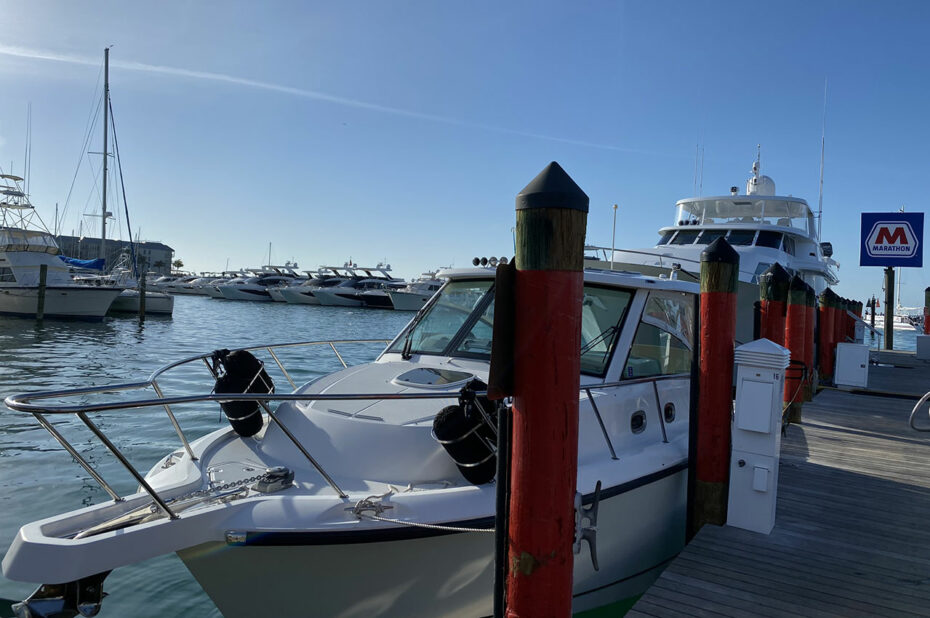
324	277
416	293
349	293
341	501
762	227
25	246
254	288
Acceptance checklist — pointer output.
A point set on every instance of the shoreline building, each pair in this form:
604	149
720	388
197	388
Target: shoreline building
157	256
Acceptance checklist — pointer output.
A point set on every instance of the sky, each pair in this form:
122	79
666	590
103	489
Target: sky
402	131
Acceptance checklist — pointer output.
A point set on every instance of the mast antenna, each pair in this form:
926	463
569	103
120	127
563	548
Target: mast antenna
106	100
823	140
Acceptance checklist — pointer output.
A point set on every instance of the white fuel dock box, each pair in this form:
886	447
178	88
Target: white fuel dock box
852	365
756	434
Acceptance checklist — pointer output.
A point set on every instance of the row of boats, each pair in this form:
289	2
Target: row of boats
348	285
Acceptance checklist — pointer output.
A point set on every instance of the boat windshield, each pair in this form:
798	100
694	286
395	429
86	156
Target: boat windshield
747	210
27	240
460	322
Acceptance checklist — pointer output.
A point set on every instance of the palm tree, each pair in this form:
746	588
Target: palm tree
178	264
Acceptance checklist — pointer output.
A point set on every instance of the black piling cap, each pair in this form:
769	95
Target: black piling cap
552	188
774	282
720	251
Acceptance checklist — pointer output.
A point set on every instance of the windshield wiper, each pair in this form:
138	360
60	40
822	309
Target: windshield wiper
605	335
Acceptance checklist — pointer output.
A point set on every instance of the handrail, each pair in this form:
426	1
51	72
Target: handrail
28	402
913	416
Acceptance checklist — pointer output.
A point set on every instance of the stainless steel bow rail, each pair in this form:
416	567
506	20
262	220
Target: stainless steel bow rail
29	402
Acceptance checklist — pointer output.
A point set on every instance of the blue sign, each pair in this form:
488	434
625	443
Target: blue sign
892	239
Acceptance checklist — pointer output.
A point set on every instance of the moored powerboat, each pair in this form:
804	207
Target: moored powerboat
25	246
762	227
416	293
324	277
346	496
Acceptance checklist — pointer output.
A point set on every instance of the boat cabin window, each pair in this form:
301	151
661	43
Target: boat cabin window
459	322
741	238
769	239
709	236
6	275
27	240
788	246
685	237
666	237
664	337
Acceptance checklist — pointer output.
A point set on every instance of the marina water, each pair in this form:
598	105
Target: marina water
39	479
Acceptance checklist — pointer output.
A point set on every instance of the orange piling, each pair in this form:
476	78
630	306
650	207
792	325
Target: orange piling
551	221
773	290
795	332
719	280
810	320
826	336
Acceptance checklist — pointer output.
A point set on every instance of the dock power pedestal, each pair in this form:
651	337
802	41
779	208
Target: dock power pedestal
756	434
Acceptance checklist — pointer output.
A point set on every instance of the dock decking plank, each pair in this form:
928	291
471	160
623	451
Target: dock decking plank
850	537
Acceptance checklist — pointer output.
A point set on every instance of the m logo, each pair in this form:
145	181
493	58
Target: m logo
891	239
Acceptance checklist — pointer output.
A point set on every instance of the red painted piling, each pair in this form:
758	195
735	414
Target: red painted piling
825	342
773	292
850	322
719	272
839	321
810	320
551	221
927	311
795	332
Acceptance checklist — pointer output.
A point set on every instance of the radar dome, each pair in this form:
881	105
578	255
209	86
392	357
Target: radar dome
760	185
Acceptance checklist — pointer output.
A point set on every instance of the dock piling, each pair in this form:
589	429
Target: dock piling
810	321
795	333
889	308
551	216
825	343
926	311
40	303
773	290
719	280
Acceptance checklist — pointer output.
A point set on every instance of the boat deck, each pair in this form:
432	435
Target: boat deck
851	535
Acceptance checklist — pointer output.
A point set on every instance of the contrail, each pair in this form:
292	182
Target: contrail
35	54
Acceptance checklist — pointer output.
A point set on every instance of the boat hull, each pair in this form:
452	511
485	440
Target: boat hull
408	301
300	296
80	302
232	292
437	574
333	298
157	303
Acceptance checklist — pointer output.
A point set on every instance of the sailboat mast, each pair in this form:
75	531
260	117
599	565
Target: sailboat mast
106	100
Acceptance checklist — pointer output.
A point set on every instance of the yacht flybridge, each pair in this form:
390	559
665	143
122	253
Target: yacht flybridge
25	246
341	496
762	227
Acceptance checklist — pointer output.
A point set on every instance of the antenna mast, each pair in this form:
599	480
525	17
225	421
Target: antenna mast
823	139
106	100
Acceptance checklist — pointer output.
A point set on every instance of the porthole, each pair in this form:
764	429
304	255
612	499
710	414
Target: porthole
669	412
638	422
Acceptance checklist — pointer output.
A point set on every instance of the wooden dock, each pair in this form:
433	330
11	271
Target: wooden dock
852	531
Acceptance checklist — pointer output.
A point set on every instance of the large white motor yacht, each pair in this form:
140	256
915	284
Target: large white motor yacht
25	246
342	502
349	293
254	288
324	277
762	227
416	293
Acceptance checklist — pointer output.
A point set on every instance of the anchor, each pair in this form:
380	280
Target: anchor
587	533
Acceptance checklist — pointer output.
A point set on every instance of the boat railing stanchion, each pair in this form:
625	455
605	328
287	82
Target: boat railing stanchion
303	450
174	421
281	367
127	464
338	355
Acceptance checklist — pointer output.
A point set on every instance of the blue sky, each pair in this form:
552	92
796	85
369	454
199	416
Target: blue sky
402	131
